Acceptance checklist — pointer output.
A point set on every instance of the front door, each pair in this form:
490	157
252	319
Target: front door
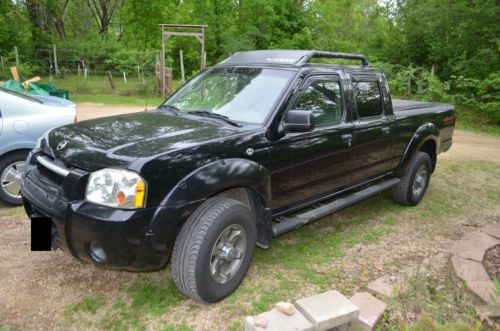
309	164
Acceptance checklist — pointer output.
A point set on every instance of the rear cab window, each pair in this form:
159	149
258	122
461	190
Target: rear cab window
368	97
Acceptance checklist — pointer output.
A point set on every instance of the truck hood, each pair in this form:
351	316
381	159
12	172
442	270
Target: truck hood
117	141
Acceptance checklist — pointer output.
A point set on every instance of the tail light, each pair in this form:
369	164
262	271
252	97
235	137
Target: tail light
75	120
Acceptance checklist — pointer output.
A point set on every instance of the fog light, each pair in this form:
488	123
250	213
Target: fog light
96	252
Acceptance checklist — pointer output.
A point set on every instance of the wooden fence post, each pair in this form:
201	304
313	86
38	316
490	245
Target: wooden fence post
169	79
158	75
110	78
56	67
17	56
183	78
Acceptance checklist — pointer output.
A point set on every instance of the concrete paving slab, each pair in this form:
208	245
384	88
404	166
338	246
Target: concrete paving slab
485	290
492	230
469	270
480	239
278	321
466	250
370	311
328	310
386	285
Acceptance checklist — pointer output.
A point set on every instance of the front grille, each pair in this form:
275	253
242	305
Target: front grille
51	170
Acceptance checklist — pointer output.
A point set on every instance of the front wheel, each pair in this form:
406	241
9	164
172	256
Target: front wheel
11	168
214	250
415	181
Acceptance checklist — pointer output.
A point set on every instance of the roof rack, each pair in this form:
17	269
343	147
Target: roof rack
332	55
288	57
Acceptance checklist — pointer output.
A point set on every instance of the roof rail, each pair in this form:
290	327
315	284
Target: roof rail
331	55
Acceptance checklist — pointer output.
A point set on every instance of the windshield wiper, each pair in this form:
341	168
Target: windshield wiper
172	109
215	115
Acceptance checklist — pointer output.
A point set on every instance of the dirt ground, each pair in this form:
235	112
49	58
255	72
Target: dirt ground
36	287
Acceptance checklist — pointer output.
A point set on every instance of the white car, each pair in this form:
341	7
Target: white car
23	119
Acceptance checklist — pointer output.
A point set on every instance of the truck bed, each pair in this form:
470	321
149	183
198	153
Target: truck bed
411	114
418	107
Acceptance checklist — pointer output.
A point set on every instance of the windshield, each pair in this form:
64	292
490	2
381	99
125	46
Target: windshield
241	94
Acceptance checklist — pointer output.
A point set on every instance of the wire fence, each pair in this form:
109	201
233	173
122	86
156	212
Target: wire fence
135	74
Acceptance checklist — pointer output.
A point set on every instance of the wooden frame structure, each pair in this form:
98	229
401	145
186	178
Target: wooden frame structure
185	30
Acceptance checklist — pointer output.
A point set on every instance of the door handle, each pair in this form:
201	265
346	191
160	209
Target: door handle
347	138
386	130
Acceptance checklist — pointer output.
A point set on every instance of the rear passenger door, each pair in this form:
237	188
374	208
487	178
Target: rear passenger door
373	131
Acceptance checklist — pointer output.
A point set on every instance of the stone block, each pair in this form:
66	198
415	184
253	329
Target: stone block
328	310
278	321
370	311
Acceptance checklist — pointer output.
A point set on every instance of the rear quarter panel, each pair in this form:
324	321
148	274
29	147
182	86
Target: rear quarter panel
439	116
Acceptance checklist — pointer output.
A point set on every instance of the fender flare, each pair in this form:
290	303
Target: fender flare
190	192
423	134
219	176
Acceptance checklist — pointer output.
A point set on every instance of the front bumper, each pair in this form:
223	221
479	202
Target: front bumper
108	237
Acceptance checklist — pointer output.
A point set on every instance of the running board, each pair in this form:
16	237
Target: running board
290	223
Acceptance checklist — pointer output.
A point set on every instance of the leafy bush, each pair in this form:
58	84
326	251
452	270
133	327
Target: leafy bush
483	95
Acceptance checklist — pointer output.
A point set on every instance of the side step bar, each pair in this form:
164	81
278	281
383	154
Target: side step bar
290	223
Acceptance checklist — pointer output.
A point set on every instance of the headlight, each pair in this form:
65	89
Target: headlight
116	188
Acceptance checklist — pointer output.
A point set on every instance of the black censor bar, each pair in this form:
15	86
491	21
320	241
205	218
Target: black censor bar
41	234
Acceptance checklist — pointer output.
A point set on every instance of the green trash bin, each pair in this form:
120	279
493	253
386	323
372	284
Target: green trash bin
59	92
46	86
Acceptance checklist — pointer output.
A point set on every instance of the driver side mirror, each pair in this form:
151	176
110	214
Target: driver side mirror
298	121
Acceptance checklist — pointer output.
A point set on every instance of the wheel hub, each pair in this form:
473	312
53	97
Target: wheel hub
420	180
227	253
11	179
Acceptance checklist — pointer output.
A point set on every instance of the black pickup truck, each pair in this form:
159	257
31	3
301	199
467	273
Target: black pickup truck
258	145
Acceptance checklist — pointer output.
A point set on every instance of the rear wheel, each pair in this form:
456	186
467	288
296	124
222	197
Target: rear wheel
11	168
214	249
414	183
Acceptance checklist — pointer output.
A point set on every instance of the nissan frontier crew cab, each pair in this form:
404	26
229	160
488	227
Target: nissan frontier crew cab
256	146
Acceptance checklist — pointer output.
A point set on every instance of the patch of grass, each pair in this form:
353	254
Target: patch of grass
12	212
432	300
154	297
427	323
98	90
177	327
89	304
470	120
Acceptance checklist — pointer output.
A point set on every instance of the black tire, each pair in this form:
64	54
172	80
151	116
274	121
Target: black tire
5	162
404	193
192	256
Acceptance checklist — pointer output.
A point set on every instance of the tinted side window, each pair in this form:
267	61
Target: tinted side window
368	99
324	99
